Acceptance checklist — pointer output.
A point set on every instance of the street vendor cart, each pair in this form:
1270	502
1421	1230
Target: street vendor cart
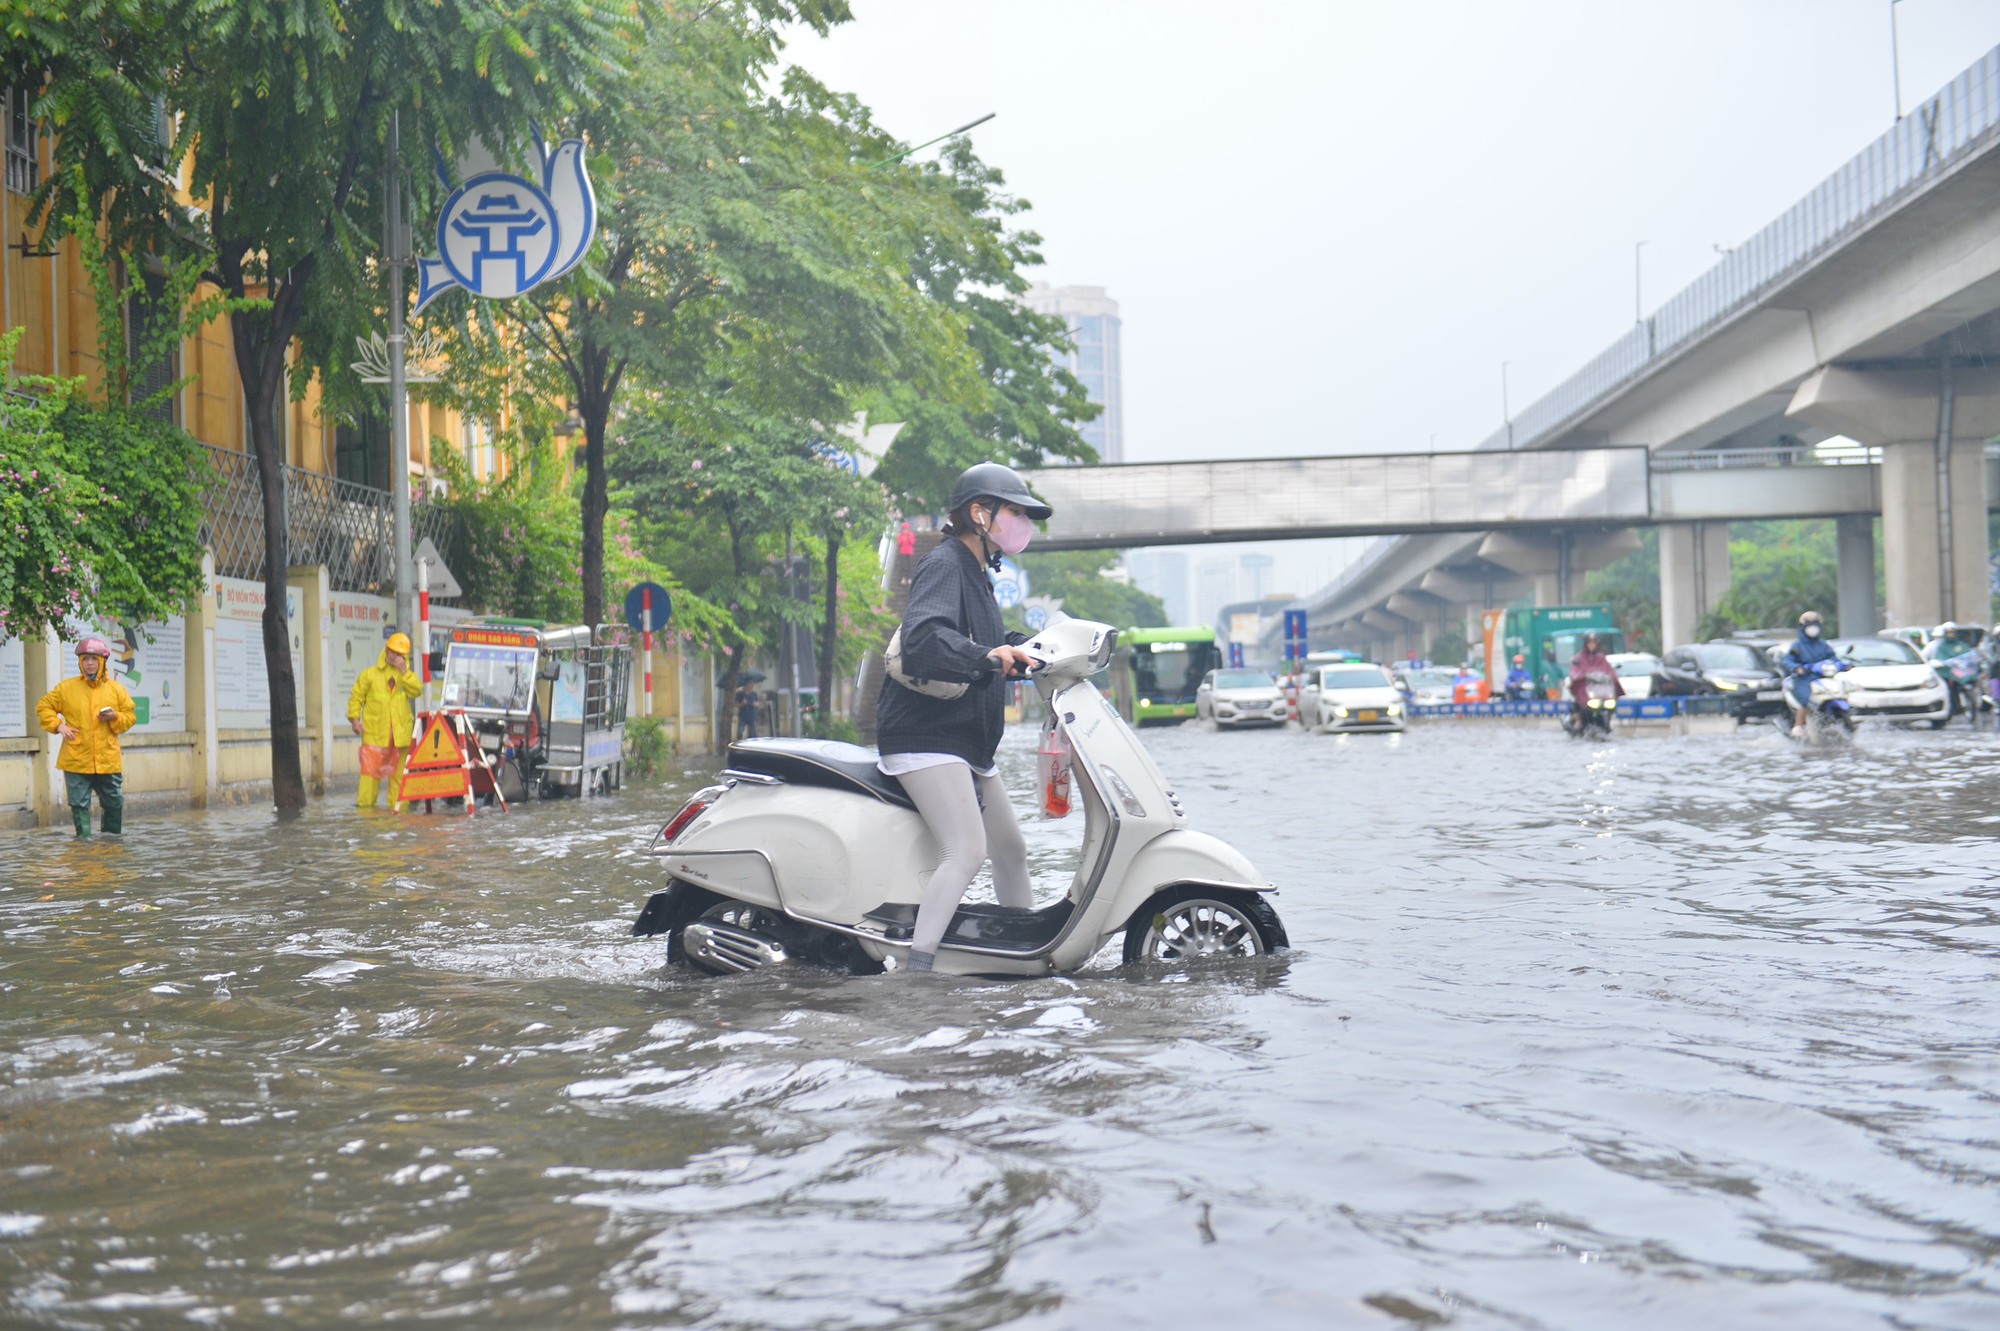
545	703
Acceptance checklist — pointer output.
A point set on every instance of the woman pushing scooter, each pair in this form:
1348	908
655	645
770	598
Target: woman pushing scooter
943	705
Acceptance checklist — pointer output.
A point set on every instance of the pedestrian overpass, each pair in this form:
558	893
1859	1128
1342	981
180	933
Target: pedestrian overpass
1185	503
1869	311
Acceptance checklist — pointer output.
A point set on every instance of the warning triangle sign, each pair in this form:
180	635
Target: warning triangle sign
438	747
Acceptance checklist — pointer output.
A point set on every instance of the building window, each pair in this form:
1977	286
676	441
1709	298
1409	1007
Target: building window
361	451
24	169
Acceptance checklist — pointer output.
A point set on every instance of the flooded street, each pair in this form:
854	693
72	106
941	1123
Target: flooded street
1654	1033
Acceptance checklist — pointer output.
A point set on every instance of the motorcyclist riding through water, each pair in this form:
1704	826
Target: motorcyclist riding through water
1807	651
1591	666
942	748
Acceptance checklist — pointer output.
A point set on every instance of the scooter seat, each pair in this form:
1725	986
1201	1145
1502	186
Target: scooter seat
818	762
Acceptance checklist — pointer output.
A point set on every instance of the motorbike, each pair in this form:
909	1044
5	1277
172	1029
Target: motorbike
806	850
1590	716
1965	676
1829	715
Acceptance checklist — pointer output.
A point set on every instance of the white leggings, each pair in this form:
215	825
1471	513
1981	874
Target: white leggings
950	796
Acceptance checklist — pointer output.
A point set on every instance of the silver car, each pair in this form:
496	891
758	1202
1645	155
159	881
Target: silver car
1240	698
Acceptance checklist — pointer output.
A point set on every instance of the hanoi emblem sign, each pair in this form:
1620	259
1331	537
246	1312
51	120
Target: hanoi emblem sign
499	235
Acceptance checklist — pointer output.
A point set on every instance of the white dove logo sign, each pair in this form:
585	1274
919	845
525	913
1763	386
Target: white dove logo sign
500	235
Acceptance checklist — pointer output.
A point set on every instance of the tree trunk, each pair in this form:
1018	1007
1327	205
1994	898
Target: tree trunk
827	636
260	398
596	504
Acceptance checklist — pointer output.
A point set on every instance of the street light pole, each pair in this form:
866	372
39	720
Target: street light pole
396	259
1895	60
1638	303
1506	412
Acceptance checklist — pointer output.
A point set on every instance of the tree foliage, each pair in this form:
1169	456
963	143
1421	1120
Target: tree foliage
1078	578
276	115
100	508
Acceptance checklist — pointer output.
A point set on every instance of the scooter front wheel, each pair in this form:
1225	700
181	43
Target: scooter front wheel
1184	923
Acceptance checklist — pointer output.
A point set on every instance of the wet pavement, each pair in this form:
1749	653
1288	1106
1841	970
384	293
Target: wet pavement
1639	1034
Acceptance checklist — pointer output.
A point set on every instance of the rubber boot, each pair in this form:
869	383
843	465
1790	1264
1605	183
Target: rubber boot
111	794
370	788
81	818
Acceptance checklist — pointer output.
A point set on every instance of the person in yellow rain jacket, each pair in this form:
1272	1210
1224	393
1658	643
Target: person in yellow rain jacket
90	712
380	712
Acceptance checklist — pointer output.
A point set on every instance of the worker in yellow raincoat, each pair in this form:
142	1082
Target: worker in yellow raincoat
379	711
90	712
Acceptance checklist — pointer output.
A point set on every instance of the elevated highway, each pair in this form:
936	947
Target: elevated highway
1868	312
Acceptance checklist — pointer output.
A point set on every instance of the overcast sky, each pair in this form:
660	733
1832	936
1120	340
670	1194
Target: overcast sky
1327	225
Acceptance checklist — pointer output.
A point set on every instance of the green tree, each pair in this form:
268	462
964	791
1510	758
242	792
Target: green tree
101	508
1631	587
1078	578
276	113
744	249
1027	405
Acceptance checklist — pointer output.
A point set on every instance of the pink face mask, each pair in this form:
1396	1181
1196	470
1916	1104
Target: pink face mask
1012	531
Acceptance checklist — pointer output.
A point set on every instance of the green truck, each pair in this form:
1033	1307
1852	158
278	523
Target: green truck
1548	636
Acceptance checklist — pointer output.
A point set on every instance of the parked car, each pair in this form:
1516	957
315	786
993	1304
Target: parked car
1891	681
1353	697
1426	687
1746	680
1635	672
1240	698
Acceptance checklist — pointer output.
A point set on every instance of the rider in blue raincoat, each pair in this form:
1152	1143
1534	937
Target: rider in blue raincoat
1799	662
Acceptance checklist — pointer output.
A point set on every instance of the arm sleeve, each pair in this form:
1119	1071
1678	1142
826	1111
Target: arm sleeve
125	715
49	711
934	647
357	697
410	682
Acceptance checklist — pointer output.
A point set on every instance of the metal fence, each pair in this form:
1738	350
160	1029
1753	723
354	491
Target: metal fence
346	527
1962	121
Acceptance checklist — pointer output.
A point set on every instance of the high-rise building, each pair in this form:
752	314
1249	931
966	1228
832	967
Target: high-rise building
1093	323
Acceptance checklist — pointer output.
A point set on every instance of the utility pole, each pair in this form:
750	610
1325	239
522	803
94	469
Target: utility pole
1506	412
396	245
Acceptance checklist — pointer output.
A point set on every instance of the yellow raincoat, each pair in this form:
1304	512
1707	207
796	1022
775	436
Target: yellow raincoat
76	700
381	702
381	699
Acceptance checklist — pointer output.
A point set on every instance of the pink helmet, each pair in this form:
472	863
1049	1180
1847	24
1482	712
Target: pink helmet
93	647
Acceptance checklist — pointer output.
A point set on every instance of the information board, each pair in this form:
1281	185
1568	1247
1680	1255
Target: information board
242	691
14	702
360	628
149	659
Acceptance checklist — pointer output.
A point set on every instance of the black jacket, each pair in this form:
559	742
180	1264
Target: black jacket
951	622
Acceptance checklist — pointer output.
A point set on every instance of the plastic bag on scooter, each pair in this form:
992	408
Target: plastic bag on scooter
1053	757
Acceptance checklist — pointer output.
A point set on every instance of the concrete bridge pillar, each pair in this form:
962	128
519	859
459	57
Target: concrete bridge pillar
1932	425
1694	577
1556	561
1855	550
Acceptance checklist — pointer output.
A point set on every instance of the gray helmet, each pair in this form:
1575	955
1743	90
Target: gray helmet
994	480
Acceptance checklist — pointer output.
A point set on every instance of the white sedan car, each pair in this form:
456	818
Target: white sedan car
1351	697
1241	698
1635	672
1891	681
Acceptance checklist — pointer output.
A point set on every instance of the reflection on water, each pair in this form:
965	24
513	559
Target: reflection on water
1641	1034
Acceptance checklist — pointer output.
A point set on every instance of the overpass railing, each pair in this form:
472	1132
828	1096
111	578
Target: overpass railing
1734	459
1961	121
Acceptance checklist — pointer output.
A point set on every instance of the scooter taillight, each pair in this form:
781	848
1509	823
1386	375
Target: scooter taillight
678	823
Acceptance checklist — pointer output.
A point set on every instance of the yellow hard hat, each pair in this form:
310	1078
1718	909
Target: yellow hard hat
399	643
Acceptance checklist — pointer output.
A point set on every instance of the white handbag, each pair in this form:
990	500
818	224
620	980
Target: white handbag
892	658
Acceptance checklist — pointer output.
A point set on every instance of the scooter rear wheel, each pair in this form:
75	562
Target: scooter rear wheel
1185	923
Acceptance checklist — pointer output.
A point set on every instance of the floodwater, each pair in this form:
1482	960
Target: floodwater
1649	1033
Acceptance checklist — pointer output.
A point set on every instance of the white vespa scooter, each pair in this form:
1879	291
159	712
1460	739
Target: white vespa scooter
807	850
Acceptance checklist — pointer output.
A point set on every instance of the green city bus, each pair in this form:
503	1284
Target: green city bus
1168	665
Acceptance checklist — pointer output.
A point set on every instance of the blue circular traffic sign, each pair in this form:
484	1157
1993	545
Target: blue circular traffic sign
635	607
